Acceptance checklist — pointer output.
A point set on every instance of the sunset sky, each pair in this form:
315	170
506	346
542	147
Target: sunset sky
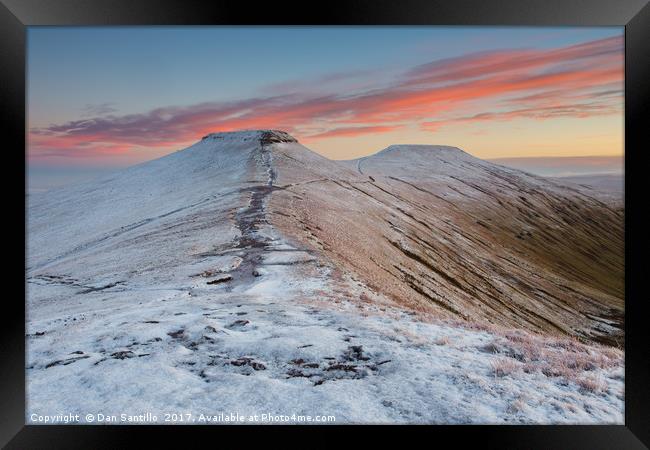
102	98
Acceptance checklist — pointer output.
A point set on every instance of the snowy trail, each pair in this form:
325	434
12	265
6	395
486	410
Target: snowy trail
258	239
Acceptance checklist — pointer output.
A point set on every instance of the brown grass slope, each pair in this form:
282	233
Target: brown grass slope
440	231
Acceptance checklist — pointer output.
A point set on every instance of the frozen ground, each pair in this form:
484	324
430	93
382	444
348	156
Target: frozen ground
166	289
273	350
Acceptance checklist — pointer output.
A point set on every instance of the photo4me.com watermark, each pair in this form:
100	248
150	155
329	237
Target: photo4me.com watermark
179	418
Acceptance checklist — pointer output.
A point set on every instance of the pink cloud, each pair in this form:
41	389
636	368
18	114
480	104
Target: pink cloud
488	63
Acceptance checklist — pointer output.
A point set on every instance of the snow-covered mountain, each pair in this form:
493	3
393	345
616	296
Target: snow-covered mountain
438	230
249	274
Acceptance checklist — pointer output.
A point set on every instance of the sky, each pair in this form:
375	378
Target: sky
102	98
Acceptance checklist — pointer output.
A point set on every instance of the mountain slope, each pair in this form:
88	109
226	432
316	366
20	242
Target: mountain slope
441	231
607	187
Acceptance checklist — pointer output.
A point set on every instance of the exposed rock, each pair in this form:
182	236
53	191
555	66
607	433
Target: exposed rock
221	279
237	324
244	361
176	334
123	354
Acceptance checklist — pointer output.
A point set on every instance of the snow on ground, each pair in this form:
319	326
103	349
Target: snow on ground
197	305
287	344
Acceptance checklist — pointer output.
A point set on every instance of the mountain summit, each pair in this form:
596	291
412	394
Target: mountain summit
265	136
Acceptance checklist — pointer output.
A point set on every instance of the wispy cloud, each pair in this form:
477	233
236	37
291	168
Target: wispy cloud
483	64
100	109
354	79
351	132
539	113
578	81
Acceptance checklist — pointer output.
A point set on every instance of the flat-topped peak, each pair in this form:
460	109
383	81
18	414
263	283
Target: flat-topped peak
421	148
401	151
265	136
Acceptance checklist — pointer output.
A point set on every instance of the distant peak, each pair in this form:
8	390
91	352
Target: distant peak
265	136
429	148
403	150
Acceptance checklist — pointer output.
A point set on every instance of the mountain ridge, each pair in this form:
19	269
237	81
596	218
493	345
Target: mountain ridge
417	224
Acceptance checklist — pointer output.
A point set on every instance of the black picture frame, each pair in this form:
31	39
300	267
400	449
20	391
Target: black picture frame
634	15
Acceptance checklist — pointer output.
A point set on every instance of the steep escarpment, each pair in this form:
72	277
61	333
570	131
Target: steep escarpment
441	231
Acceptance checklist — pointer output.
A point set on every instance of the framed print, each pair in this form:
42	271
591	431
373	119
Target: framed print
424	213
